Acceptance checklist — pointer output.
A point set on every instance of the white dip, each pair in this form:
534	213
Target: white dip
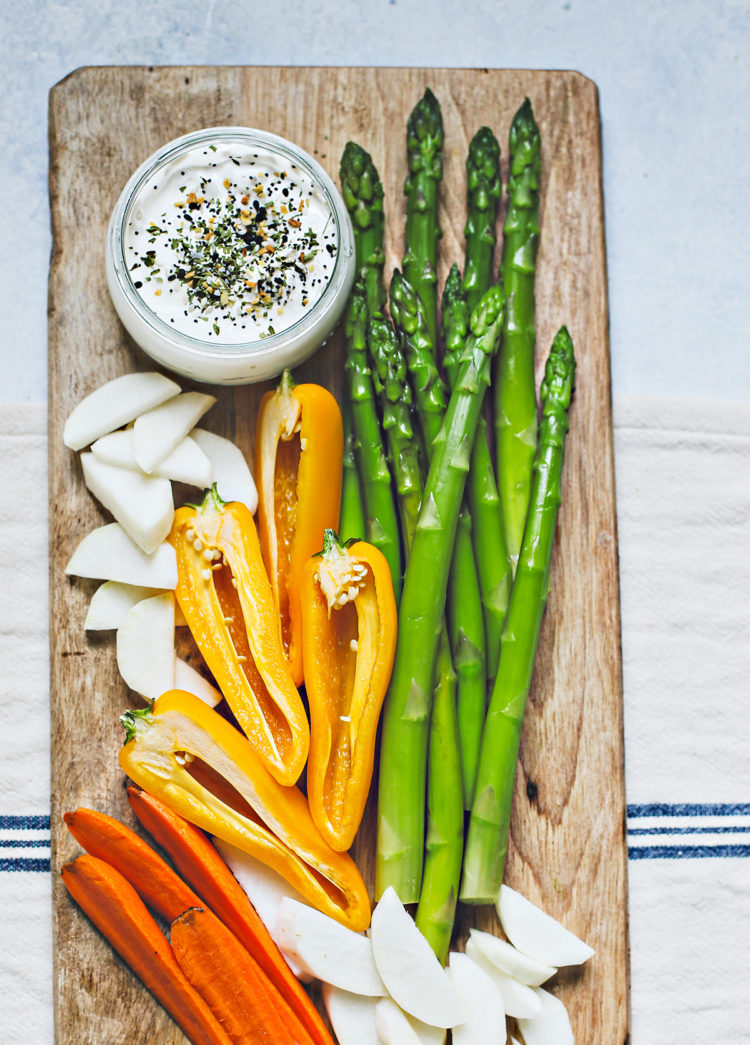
230	245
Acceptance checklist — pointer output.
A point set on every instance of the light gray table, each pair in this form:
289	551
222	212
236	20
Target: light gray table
674	81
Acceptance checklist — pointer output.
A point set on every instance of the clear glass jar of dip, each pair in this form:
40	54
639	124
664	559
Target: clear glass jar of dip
230	255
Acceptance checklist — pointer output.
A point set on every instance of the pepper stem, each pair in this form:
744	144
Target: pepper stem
133	721
211	502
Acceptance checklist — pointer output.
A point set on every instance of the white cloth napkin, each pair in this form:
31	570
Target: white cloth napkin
683	488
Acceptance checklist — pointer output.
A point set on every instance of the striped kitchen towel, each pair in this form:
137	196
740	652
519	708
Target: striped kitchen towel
683	488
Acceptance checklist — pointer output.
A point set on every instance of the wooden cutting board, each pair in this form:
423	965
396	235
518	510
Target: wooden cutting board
568	847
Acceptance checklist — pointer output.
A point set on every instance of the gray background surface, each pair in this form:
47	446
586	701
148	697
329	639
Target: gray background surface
674	82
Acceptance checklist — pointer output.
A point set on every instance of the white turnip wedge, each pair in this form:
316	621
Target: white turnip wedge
142	505
536	933
327	950
116	404
518	999
352	1016
265	889
551	1026
396	1027
145	646
482	1002
512	961
110	604
108	554
186	464
233	478
158	432
407	964
187	678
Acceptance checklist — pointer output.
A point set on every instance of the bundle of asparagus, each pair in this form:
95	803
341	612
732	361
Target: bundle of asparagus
420	455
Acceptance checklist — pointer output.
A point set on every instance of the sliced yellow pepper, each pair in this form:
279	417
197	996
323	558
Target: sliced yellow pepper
183	752
348	644
225	595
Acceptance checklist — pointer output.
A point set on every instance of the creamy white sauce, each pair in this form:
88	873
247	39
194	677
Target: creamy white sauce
229	244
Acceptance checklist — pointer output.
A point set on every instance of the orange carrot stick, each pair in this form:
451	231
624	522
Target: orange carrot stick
199	862
151	877
230	981
118	912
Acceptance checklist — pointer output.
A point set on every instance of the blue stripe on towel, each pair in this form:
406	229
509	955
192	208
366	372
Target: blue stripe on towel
24	823
23	863
677	852
24	843
688	830
690	809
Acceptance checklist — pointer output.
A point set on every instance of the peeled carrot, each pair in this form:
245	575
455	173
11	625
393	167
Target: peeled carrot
202	866
249	1008
151	877
118	912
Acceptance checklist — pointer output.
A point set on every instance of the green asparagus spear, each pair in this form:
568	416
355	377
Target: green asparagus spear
483	189
487	841
424	148
401	804
377	494
389	370
362	191
515	394
352	517
444	845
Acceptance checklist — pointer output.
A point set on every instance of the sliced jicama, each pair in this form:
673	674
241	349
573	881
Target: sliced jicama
145	646
186	464
518	999
396	1027
141	504
352	1016
512	961
232	476
407	964
551	1026
108	554
115	404
158	432
187	678
327	950
264	888
482	1002
536	933
110	604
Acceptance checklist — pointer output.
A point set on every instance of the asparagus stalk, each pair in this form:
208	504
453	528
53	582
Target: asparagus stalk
444	846
352	516
401	804
380	509
483	189
362	191
487	841
515	395
424	148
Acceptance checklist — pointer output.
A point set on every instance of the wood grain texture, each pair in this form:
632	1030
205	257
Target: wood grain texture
568	848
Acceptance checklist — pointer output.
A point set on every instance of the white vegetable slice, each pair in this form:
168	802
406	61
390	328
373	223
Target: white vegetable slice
551	1026
396	1027
145	646
482	1002
413	975
509	959
327	950
232	476
158	432
352	1016
110	603
264	888
536	933
186	464
115	404
518	999
187	678
142	505
108	554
